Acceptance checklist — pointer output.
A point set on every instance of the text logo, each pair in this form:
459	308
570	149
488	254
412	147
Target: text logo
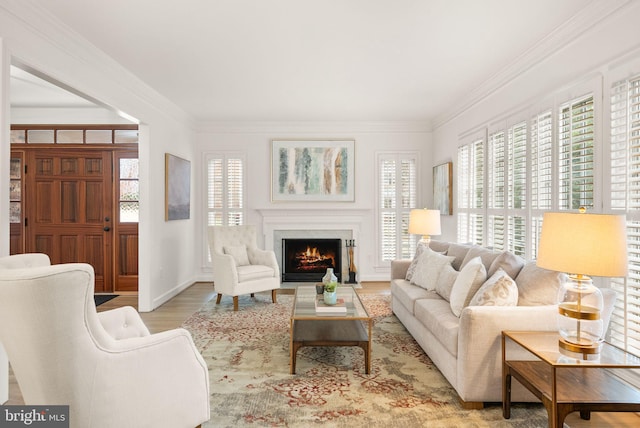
34	416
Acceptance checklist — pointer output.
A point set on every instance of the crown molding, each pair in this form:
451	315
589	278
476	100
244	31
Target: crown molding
76	49
593	13
312	127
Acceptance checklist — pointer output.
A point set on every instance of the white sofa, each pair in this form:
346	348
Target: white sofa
467	349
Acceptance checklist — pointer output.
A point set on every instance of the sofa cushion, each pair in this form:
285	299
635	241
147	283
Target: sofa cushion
469	280
414	262
428	268
239	254
486	255
458	251
538	286
249	272
508	262
446	279
498	290
436	315
439	246
407	294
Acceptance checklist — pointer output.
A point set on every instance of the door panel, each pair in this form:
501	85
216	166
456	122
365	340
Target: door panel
72	199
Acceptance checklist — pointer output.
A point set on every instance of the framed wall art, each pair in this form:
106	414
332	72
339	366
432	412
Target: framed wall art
316	170
177	187
442	188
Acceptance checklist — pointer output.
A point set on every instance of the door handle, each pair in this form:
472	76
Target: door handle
106	228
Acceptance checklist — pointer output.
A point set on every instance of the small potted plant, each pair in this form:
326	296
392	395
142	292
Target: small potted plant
330	292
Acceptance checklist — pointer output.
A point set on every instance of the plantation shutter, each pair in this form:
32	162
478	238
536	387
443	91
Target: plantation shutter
517	234
517	166
541	161
496	235
517	189
464	192
471	192
625	197
576	154
497	180
541	154
235	192
225	190
408	186
398	190
388	230
496	167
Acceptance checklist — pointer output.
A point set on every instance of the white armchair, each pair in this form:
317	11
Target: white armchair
105	366
239	266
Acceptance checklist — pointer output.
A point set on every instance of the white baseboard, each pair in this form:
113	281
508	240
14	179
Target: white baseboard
164	298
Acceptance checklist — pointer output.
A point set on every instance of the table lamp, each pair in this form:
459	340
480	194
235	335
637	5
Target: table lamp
424	222
582	244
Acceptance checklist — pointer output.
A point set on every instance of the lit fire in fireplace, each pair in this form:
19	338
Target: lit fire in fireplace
312	258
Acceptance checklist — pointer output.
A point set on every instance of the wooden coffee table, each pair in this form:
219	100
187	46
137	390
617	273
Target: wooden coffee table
565	384
309	328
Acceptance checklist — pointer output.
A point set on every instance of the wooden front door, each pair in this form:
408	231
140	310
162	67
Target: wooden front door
68	209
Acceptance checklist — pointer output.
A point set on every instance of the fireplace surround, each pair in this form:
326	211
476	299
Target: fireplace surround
345	224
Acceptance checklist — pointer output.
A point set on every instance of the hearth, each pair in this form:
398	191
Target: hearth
307	259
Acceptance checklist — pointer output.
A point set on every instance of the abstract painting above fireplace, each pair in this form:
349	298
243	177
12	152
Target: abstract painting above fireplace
307	259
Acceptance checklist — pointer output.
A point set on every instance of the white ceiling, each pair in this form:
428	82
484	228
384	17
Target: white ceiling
288	60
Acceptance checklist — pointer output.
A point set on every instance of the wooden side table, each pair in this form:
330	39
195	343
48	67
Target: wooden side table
565	384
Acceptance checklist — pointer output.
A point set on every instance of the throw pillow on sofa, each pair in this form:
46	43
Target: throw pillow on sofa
430	263
486	255
498	290
446	279
458	251
469	280
508	262
414	262
538	286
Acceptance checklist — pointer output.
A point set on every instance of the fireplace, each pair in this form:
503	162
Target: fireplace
307	259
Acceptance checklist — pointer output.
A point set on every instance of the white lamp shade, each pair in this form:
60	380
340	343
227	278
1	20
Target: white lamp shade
424	222
587	244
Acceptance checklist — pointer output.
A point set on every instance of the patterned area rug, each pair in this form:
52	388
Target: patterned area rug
248	357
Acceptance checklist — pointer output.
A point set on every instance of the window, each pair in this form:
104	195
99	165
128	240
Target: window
471	192
541	154
507	177
529	169
625	198
397	195
576	154
225	190
129	195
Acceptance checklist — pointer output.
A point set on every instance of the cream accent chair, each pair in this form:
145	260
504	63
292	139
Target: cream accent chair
106	366
239	267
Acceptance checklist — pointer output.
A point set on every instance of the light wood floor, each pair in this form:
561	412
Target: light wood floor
173	313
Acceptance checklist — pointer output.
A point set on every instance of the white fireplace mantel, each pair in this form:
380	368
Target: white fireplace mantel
281	223
310	219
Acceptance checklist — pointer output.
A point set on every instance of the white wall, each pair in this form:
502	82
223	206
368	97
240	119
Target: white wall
584	62
255	141
167	258
84	115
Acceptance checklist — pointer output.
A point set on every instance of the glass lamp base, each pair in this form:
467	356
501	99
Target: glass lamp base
586	348
579	316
